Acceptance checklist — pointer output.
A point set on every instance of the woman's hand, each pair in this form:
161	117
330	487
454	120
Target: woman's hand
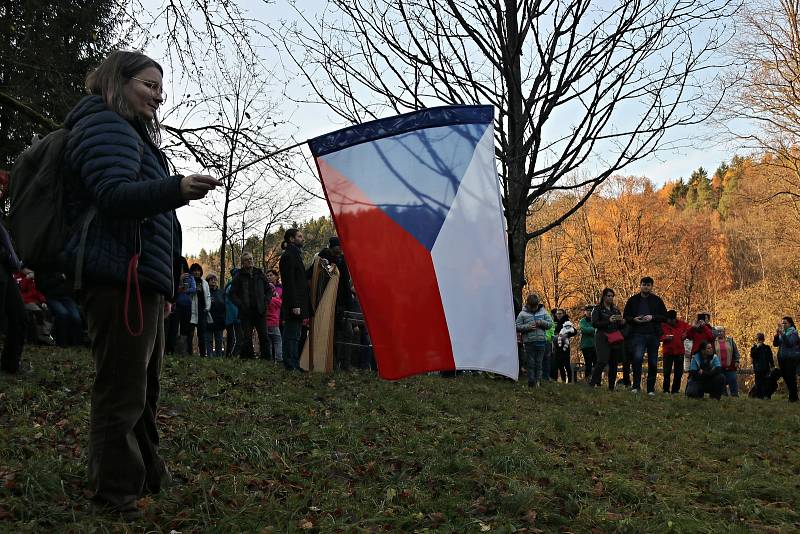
196	186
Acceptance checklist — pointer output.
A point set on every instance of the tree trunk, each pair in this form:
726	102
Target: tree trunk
224	240
516	201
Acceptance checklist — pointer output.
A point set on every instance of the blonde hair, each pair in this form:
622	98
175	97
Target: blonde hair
109	78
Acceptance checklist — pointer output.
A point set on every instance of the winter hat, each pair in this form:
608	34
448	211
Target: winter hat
333	242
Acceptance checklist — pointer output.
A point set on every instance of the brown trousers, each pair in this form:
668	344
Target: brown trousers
123	440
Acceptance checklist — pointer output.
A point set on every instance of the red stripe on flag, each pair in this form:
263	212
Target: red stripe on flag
396	283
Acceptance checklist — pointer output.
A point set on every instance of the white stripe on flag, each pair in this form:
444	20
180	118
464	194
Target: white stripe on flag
470	257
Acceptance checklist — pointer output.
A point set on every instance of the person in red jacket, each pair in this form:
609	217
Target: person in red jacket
700	331
673	332
40	327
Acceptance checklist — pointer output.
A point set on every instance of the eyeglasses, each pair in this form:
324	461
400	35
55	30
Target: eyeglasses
154	87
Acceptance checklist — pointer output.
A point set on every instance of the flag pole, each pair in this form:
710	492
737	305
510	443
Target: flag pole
262	158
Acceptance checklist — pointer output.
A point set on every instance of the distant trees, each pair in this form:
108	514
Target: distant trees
46	49
738	260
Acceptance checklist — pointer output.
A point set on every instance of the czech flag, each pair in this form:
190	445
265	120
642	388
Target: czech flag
416	203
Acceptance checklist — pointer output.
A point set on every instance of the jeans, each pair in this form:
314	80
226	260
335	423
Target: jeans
642	343
68	331
171	327
254	320
201	335
274	334
214	342
547	361
789	371
731	383
606	355
589	357
670	362
560	364
699	386
762	385
291	344
534	354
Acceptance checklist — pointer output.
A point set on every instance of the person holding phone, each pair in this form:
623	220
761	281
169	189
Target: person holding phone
763	363
122	195
644	313
608	322
788	343
699	331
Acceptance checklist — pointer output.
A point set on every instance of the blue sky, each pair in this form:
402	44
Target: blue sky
310	120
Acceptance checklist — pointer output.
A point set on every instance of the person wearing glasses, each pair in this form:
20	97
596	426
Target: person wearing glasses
122	196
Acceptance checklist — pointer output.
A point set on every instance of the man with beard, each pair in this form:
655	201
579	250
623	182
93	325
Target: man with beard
251	293
296	298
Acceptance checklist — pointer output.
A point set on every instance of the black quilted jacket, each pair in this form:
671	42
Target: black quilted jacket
125	177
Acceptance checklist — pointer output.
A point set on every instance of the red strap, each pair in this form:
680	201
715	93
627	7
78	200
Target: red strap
133	274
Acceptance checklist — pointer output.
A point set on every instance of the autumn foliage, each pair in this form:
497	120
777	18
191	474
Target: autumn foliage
725	244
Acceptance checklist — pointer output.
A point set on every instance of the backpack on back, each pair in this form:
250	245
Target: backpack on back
36	191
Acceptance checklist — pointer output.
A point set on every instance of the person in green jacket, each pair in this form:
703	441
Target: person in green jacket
587	342
547	361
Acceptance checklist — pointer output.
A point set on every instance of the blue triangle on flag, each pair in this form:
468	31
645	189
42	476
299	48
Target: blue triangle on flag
413	176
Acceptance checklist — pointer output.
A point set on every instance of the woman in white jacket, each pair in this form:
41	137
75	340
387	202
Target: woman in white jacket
201	313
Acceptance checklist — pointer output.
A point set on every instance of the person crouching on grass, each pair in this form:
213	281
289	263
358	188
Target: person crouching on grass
705	374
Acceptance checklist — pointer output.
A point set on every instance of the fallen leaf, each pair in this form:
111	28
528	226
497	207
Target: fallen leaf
530	517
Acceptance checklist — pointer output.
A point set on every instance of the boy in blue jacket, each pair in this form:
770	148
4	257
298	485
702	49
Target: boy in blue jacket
705	374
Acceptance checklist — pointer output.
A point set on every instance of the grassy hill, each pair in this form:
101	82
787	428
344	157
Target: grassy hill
253	449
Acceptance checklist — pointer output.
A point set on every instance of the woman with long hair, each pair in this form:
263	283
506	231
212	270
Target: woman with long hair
123	197
608	321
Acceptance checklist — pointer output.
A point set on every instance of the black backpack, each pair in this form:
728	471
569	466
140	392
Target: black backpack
36	192
37	218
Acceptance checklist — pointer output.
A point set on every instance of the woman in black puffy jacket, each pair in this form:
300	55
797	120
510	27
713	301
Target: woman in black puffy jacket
121	252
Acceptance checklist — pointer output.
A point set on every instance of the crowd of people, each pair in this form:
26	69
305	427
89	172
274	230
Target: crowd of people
611	338
271	307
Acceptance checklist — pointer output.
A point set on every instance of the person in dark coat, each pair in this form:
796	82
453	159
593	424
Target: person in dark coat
251	293
788	343
13	317
296	296
564	331
644	312
233	327
607	320
763	363
126	236
216	329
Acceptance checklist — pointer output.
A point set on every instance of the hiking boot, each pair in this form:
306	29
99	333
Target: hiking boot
127	512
